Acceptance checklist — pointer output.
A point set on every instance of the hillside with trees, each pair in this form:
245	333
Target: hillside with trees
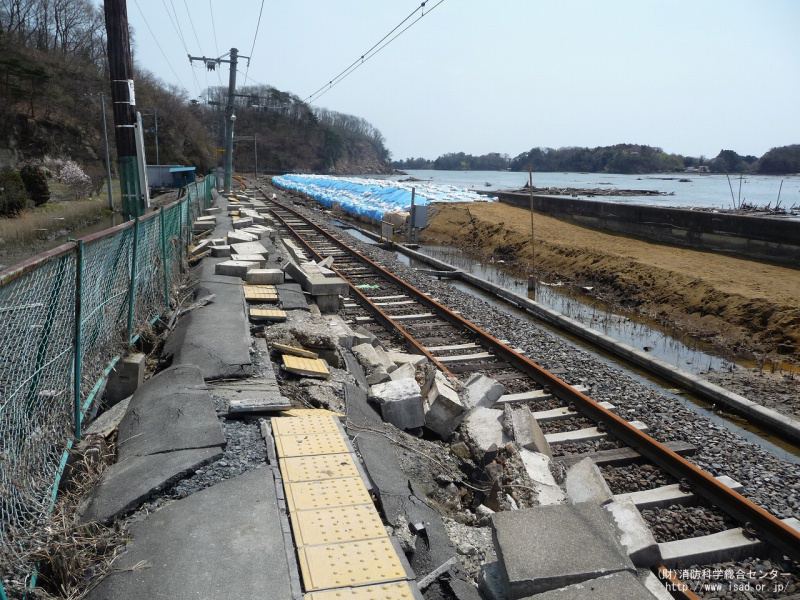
53	71
620	158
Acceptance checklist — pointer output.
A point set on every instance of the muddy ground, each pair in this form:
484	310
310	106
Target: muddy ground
744	308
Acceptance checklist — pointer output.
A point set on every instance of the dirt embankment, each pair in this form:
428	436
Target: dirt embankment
744	307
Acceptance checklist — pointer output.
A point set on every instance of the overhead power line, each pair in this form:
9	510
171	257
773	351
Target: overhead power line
255	37
155	39
374	49
214	31
176	27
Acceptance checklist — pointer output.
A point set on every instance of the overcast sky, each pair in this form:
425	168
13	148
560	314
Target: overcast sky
481	76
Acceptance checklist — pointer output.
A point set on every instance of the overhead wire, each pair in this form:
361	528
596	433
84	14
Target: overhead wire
158	45
216	44
255	37
176	27
373	50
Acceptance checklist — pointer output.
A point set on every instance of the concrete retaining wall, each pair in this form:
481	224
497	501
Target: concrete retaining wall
769	239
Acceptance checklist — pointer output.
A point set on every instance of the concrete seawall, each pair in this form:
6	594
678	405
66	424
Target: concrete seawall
769	239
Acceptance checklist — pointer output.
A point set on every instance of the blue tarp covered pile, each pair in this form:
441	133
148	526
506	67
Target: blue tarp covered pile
371	198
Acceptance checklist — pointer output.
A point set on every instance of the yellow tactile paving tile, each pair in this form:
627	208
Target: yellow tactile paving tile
319	467
337	525
400	590
310	367
267	314
304	425
349	564
260	293
309	495
310	412
310	444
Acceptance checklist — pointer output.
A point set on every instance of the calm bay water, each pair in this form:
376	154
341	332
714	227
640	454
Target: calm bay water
700	190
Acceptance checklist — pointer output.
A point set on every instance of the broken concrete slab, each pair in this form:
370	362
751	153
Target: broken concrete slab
258	260
225	541
341	330
171	411
378	375
240	237
635	536
126	484
527	432
235	268
364	336
291	296
608	587
400	402
250	248
483	427
372	358
242	222
316	283
264	276
537	466
547	547
220	251
108	421
480	390
403	371
402	358
585	483
443	407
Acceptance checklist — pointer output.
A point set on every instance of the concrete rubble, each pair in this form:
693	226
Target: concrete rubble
400	402
443	407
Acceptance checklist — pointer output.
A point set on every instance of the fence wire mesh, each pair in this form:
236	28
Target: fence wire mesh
38	346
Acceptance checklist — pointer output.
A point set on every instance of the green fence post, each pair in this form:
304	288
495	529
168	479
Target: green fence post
77	359
132	284
164	257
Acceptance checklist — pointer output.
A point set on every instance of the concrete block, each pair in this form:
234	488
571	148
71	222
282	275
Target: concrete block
264	276
401	403
537	466
234	268
490	581
257	232
548	547
370	359
327	303
401	358
364	336
242	222
618	586
315	283
238	237
635	534
207	219
339	329
484	428
443	408
527	432
480	390
218	242
379	375
220	251
250	248
126	377
199	226
403	371
256	259
585	483
214	210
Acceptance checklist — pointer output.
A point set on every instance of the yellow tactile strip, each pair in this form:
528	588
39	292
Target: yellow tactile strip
267	314
260	293
336	525
311	367
343	548
310	444
309	495
400	590
353	563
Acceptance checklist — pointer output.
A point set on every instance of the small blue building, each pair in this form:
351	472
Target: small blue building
169	176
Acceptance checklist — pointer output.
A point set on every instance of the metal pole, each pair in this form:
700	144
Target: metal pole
77	358
164	257
155	112
230	119
132	283
255	155
410	233
532	275
108	155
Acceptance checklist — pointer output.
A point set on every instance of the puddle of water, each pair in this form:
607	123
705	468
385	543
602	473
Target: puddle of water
357	234
593	313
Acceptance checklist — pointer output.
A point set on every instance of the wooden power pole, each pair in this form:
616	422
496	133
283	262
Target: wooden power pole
123	99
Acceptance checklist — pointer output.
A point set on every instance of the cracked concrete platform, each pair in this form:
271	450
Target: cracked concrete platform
221	542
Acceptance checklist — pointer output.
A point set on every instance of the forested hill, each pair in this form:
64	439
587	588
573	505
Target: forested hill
53	72
620	158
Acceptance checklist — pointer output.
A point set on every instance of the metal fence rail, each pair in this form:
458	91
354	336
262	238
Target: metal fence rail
66	316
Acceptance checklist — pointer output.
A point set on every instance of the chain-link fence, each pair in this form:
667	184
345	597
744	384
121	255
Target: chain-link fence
112	284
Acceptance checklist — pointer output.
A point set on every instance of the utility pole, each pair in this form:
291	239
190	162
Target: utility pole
108	154
230	118
123	98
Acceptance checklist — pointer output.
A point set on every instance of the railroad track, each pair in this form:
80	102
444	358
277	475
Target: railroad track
572	421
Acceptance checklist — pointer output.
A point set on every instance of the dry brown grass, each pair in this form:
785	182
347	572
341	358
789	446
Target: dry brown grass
48	220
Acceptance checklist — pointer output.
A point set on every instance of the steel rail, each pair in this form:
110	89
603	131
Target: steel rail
385	319
766	525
